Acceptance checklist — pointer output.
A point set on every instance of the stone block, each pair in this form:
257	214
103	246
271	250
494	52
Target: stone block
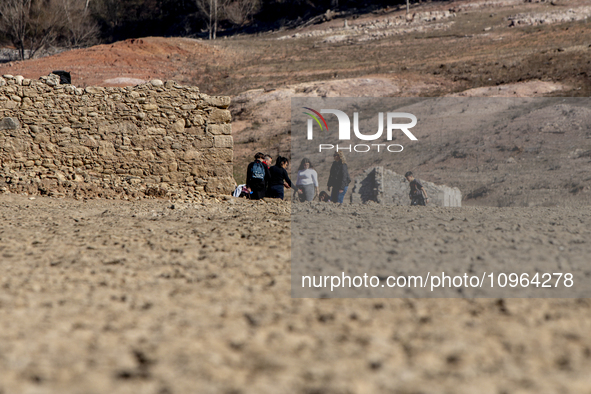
221	155
76	149
217	129
218	101
41	138
106	148
220	116
150	107
10	104
30	92
220	185
223	141
157	169
166	154
198	131
144	142
94	90
178	126
197	120
205	142
156	131
223	170
191	155
9	123
146	155
89	142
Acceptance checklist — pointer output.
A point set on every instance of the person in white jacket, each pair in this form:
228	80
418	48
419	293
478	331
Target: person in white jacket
307	181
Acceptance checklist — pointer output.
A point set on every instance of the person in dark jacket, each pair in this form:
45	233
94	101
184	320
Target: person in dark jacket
268	160
323	197
339	178
417	194
257	177
279	178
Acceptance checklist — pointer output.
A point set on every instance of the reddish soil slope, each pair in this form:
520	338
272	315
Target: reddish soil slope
121	63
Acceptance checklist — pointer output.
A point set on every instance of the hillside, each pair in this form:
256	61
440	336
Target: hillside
470	48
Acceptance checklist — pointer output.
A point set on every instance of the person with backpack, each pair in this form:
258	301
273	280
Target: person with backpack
257	177
339	178
279	178
418	195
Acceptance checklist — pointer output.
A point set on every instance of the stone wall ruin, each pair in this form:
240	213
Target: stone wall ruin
388	188
154	139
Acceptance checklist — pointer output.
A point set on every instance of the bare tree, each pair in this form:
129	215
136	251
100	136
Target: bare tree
29	24
212	11
79	28
239	12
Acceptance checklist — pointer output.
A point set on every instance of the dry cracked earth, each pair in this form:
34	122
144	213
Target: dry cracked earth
163	297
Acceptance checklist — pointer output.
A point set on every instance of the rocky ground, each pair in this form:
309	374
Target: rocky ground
181	297
139	297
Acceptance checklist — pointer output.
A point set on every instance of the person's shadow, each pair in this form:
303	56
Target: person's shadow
368	190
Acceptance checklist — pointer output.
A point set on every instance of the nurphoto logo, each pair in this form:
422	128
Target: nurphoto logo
344	129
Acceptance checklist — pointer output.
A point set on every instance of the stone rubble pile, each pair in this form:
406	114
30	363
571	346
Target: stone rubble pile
539	18
380	28
388	188
463	7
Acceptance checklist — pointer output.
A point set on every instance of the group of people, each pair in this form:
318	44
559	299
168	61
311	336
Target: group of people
266	180
338	181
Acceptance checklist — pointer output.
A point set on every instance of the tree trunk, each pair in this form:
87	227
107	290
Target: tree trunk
215	19
210	27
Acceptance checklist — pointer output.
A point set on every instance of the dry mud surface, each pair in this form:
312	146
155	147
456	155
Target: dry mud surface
405	241
120	297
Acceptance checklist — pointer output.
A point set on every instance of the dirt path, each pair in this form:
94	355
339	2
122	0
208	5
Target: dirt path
120	297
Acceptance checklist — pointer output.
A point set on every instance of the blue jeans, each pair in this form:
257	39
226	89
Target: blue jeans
335	196
276	191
